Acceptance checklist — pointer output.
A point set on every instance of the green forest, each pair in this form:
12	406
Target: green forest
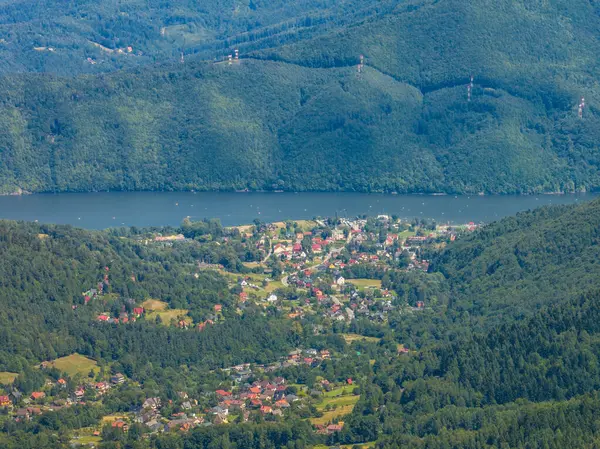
365	332
294	113
505	356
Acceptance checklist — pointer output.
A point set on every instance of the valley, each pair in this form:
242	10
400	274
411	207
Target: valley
373	311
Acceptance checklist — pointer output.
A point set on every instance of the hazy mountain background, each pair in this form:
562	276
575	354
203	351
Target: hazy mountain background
294	113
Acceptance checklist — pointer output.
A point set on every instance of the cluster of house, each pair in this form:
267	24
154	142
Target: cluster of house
267	397
38	402
264	397
123	318
297	251
185	420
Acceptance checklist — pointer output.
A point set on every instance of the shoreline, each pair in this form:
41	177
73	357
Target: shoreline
435	194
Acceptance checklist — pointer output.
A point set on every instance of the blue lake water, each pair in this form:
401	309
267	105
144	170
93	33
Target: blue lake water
102	210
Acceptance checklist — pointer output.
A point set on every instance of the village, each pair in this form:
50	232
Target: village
252	392
325	274
309	267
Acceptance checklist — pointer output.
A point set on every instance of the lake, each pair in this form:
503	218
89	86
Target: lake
102	210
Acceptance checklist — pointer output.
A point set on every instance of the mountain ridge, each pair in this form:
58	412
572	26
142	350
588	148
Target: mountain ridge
300	117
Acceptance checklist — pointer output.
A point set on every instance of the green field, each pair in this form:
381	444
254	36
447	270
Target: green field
168	315
343	406
338	401
151	305
251	264
86	440
404	234
345	390
272	286
350	338
7	378
306	225
75	364
155	308
365	283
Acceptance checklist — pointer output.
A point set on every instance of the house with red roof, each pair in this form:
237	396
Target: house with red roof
332	428
36	395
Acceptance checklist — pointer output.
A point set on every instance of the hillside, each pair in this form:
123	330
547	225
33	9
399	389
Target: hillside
45	269
140	325
296	115
521	263
94	37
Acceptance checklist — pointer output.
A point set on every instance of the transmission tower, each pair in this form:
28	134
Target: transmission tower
581	108
470	89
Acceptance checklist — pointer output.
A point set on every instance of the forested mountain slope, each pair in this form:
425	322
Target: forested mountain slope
59	37
527	378
512	266
529	384
44	270
299	116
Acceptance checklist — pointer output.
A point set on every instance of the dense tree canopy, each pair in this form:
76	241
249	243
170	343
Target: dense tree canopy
295	114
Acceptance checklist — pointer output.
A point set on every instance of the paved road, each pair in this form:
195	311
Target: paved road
270	252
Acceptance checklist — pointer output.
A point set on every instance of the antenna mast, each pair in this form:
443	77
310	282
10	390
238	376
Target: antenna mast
581	108
470	89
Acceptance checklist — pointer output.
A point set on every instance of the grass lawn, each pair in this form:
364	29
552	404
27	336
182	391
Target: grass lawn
111	418
7	378
272	286
172	314
343	406
404	234
251	264
86	440
301	390
152	305
345	390
306	225
75	364
350	338
339	401
365	283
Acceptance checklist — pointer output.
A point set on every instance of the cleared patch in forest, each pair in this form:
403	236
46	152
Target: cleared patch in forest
75	364
340	406
154	305
7	378
351	338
